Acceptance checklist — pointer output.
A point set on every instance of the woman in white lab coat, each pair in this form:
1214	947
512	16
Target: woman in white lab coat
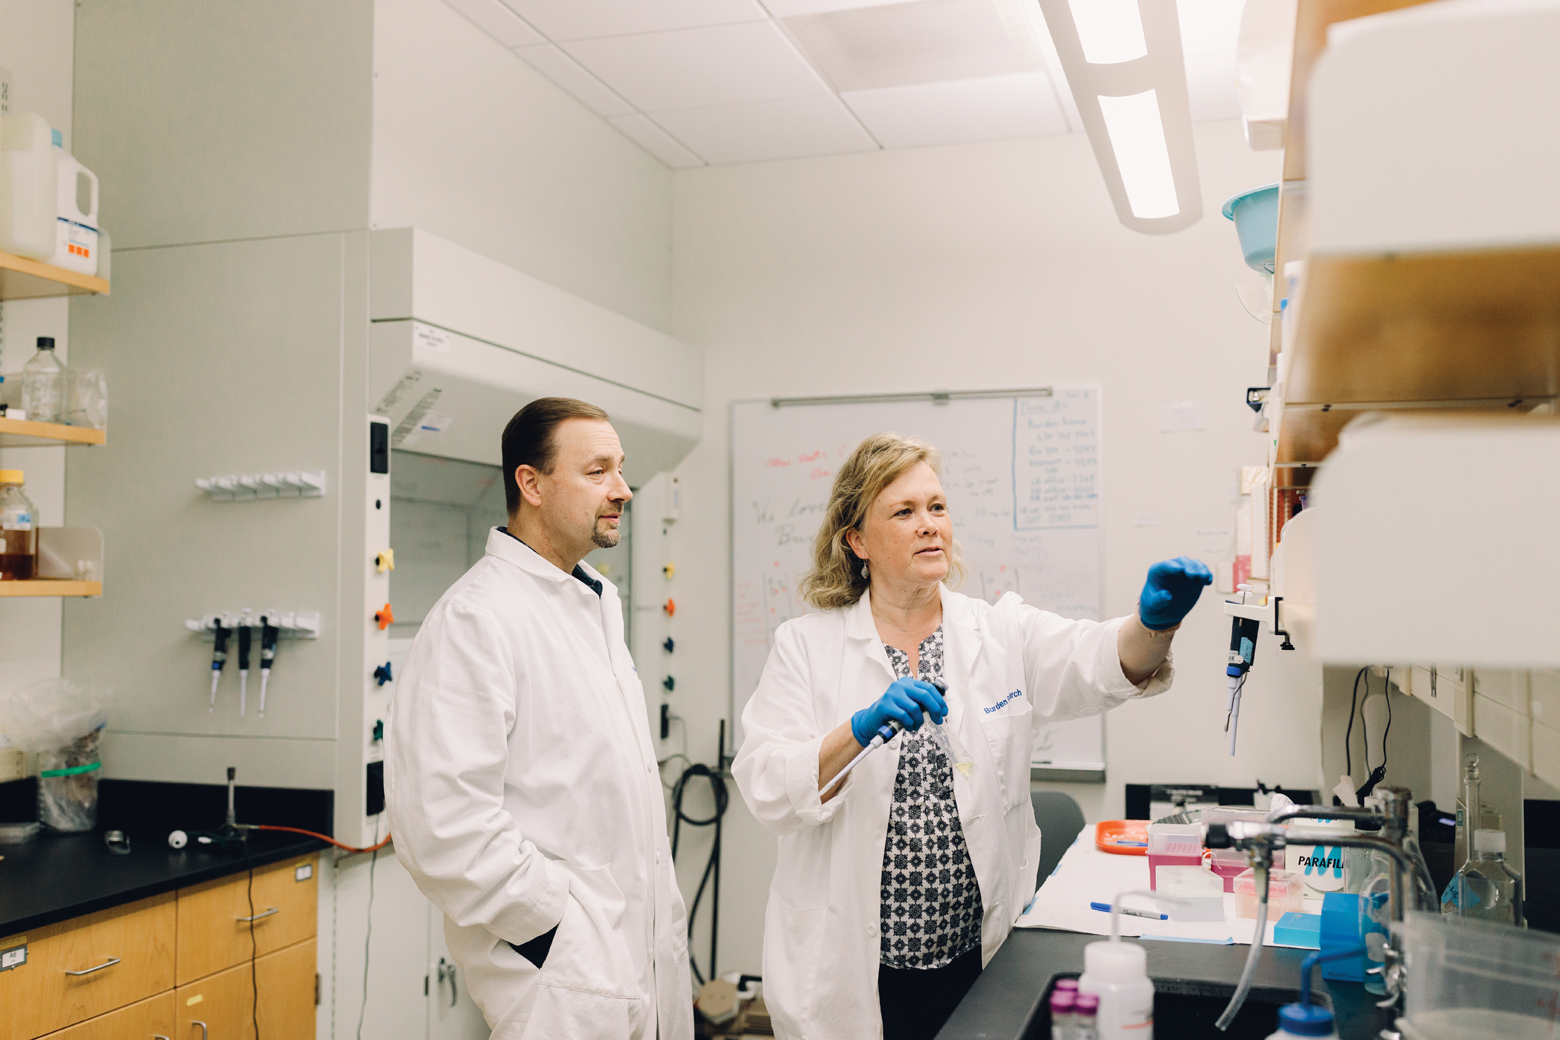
894	890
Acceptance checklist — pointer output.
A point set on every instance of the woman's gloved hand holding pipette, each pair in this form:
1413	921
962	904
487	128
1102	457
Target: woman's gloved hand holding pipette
903	702
903	706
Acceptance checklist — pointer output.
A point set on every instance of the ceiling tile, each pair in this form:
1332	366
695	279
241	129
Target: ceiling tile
928	41
1209	25
696	68
769	130
968	110
656	141
499	22
585	19
563	70
787	8
1211	86
1209	29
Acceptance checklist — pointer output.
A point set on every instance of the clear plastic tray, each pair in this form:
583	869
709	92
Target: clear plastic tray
1471	979
18	833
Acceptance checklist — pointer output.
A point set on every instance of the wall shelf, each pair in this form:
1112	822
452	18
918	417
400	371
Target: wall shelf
1455	332
24	279
21	433
50	587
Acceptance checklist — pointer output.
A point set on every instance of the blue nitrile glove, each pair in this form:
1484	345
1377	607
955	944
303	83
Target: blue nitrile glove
1171	591
903	702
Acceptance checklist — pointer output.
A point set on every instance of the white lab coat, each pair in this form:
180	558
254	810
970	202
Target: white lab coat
1009	668
523	793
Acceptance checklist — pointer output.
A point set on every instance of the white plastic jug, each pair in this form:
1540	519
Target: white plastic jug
29	186
76	230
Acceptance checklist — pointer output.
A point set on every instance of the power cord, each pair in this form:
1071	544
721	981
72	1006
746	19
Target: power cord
368	932
717	782
254	972
1379	773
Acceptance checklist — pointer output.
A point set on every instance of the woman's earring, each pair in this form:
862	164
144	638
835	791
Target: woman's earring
863	570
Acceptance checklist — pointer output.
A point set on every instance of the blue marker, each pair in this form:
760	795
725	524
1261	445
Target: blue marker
1130	912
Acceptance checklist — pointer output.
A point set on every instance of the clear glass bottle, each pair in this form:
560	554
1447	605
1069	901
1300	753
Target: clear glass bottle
1486	888
18	529
44	384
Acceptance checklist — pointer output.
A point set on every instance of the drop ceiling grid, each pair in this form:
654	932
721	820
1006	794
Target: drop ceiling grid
722	81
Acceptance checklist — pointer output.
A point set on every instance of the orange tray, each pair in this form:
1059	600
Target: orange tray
1122	837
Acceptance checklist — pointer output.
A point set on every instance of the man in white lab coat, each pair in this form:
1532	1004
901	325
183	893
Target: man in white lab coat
521	784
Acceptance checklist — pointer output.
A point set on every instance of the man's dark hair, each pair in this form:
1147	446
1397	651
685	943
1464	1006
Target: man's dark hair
530	439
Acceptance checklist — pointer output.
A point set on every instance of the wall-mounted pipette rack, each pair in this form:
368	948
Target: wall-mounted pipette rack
289	624
256	487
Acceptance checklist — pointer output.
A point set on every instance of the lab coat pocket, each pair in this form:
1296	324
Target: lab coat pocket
1009	738
793	941
590	954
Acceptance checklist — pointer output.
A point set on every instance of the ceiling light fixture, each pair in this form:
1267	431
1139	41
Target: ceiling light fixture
1123	62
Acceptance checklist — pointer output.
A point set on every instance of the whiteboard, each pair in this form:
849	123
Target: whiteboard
1022	474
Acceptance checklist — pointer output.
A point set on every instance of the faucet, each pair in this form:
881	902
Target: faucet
1261	840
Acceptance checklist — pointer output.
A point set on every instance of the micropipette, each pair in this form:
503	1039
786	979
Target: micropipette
268	634
244	637
1243	647
944	737
218	659
886	732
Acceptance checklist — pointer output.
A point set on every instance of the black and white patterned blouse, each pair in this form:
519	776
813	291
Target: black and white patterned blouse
931	900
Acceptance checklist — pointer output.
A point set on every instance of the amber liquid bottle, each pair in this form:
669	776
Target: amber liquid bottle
18	529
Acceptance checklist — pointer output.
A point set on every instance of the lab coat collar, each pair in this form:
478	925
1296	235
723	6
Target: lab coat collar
956	612
511	549
858	619
961	631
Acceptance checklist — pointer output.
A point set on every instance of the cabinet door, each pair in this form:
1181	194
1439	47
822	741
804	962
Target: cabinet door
224	1001
1445	688
148	1020
214	917
452	1014
82	968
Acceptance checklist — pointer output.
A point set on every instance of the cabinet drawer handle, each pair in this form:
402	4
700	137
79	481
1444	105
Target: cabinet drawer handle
205	1034
106	964
263	913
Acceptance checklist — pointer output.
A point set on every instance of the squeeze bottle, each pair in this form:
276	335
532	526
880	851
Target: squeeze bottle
1117	973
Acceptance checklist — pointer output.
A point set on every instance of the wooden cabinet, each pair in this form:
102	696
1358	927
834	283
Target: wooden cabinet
146	1020
79	969
285	982
112	975
214	925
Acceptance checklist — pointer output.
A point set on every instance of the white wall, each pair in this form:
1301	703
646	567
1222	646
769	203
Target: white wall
36	46
474	145
980	266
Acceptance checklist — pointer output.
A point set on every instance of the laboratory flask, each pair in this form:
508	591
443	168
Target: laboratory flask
1485	887
18	529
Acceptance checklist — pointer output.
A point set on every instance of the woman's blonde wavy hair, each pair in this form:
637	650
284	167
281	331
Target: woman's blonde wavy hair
835	579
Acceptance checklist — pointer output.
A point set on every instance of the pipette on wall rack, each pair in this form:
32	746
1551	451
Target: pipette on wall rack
268	634
218	659
245	635
1247	618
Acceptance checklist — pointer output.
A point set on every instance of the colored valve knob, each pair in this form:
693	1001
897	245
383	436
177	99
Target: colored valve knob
670	606
670	570
382	674
669	684
385	561
668	646
385	617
